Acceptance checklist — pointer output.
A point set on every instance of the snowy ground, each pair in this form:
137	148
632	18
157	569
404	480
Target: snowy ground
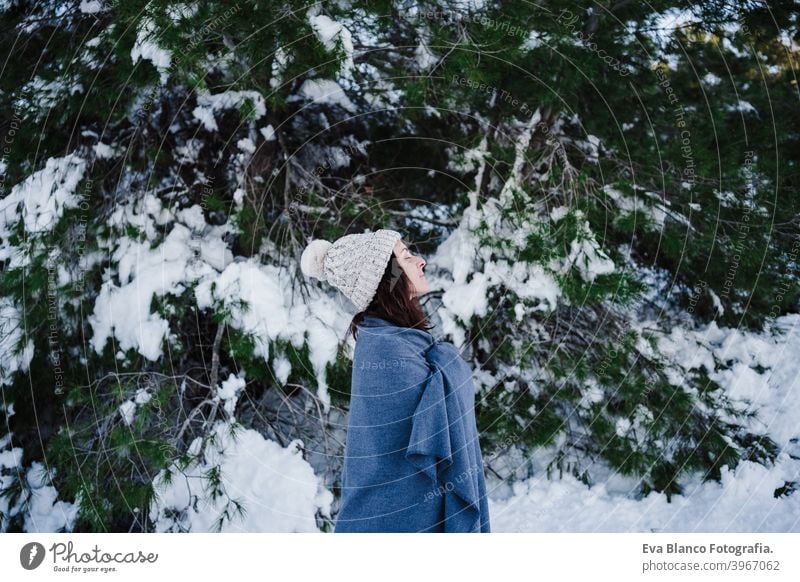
743	502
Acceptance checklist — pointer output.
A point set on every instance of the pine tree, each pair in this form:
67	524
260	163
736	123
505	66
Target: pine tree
607	186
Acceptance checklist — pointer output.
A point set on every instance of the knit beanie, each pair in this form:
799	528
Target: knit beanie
354	263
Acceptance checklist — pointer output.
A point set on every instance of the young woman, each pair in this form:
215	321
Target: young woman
412	456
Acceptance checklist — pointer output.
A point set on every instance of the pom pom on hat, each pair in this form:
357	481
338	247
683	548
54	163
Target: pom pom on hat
312	260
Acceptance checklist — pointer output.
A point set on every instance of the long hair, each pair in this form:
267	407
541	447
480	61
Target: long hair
394	302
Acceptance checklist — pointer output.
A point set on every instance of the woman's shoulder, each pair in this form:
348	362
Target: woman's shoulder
445	351
375	328
396	342
403	344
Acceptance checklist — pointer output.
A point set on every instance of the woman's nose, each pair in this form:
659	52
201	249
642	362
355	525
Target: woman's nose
422	263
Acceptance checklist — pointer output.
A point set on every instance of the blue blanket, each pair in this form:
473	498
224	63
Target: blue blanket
412	457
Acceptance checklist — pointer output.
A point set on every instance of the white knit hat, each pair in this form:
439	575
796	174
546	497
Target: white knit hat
354	263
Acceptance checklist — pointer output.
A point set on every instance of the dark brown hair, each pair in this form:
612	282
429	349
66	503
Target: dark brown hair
393	301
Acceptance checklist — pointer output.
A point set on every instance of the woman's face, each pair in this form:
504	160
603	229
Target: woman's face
412	266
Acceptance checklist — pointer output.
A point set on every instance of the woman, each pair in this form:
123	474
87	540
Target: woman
412	457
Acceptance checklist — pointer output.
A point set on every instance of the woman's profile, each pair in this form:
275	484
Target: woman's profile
412	460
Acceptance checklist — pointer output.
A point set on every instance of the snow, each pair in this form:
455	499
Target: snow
623	425
268	132
246	145
324	91
462	256
187	153
46	513
433	112
456	254
178	12
276	486
238	196
589	258
741	106
384	93
467	6
742	502
231	387
585	253
146	48
281	59
41	199
465	161
558	213
593	394
11	335
533	40
282	368
205	116
230	99
48	93
636	205
192	217
665	24
467	299
527	281
269	314
123	311
719	309
10	464
513	184
425	58
773	391
142	396
91	7
330	34
208	105
43	513
126	410
229	392
733	49
591	146
104	151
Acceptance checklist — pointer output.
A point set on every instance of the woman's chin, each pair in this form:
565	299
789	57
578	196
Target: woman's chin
419	292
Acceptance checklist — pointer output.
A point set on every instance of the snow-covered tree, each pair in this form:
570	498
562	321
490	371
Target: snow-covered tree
606	193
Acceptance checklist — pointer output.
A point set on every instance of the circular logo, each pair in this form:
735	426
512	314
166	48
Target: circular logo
31	555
